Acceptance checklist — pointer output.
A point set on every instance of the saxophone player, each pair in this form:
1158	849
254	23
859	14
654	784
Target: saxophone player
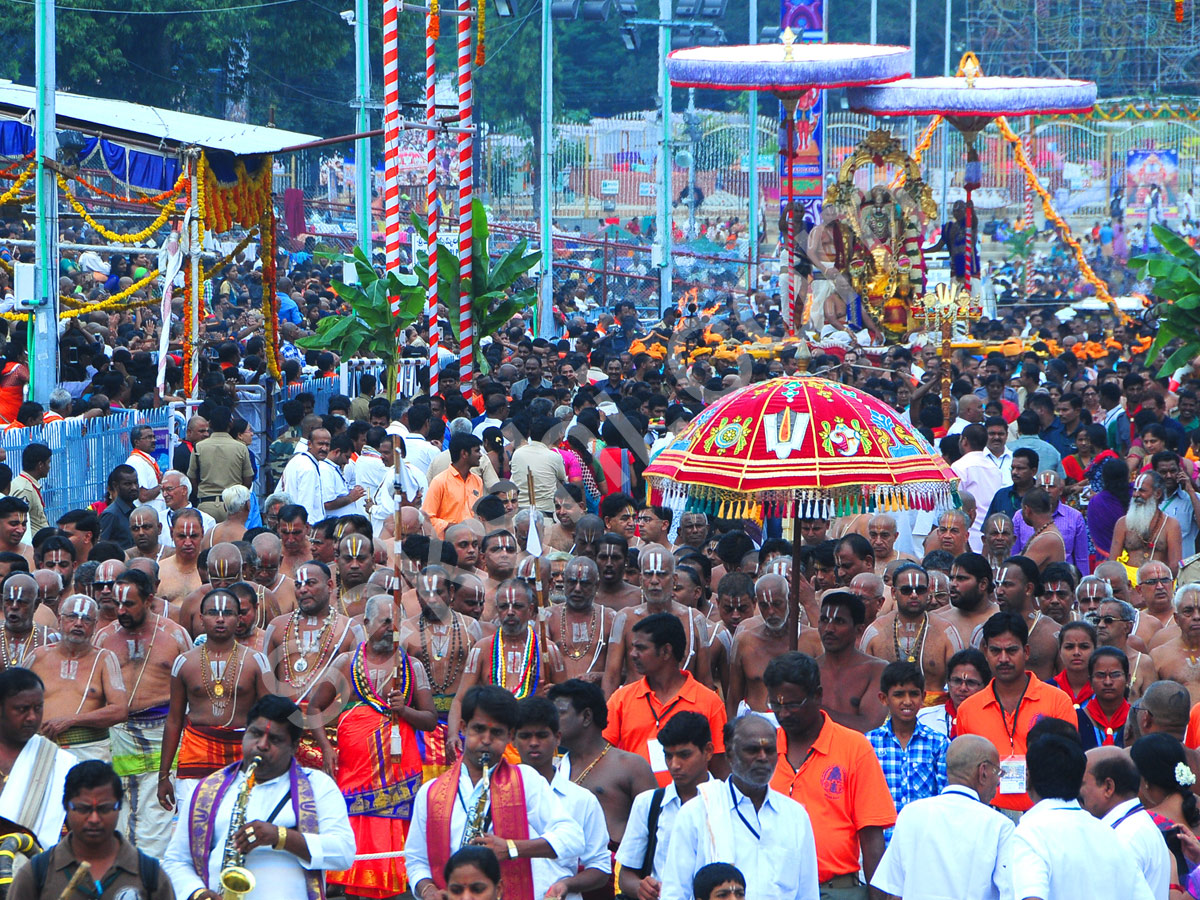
289	826
485	800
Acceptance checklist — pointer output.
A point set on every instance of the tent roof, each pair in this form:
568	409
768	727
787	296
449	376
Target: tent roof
149	126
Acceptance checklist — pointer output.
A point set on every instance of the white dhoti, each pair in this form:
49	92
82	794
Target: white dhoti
32	794
136	751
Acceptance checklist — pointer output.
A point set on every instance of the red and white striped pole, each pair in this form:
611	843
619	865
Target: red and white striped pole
466	194
391	140
1028	279
431	208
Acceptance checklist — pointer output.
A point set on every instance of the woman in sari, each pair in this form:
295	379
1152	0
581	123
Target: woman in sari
1083	466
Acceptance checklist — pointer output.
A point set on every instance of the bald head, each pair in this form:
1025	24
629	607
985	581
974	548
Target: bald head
224	565
964	765
267	544
1167	705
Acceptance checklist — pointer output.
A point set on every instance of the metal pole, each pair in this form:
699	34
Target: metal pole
362	147
945	135
874	20
664	160
692	172
912	43
752	272
546	175
194	267
43	323
466	195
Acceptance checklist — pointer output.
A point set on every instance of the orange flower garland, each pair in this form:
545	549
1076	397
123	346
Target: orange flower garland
242	203
270	299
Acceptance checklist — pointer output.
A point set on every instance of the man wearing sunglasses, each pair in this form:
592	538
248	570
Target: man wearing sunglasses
1114	621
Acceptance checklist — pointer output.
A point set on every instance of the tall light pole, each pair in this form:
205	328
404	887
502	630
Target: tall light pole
752	273
662	254
42	334
362	146
545	317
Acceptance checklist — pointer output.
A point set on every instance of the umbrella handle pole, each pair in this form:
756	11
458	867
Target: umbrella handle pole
794	586
947	332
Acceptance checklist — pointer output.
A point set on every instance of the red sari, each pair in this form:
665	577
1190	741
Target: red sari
379	793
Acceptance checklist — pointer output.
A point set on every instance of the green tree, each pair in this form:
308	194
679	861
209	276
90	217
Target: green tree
493	300
1176	274
370	328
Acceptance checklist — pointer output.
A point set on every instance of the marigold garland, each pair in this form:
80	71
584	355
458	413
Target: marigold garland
1179	11
270	304
181	185
159	221
434	28
10	170
11	193
242	203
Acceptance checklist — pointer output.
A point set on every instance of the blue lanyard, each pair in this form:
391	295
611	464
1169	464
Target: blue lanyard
1136	809
737	809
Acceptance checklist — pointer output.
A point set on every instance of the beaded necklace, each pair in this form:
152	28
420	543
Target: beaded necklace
365	687
531	669
324	645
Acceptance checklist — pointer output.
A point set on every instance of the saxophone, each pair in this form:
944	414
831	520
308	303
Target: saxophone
476	824
236	880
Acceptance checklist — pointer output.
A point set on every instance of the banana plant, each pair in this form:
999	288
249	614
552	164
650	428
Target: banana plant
493	300
371	327
1176	274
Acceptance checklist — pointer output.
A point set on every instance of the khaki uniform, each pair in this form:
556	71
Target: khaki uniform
218	462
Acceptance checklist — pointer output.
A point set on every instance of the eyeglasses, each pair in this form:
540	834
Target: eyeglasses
103	809
965	682
1157	580
1107	620
103	585
778	704
909	589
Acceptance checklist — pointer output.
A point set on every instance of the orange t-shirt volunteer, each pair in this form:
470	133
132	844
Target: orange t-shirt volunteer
981	714
635	716
1192	738
841	785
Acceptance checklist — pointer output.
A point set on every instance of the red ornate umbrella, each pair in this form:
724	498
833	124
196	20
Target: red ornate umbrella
801	447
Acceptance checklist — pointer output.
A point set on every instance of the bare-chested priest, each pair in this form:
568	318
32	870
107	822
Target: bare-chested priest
224	567
305	643
1145	532
912	633
19	636
213	686
85	693
146	528
851	677
657	567
1017	591
293	533
355	565
146	645
971	603
580	626
612	554
757	641
269	551
882	533
177	575
1179	658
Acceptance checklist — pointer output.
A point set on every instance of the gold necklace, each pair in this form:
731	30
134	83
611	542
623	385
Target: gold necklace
562	632
217	689
584	774
918	642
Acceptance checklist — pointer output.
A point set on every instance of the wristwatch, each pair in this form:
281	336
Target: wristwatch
512	848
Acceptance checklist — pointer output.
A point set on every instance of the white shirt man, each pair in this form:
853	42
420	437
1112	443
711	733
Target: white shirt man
773	846
632	852
302	479
1003	462
581	805
978	476
334	484
277	872
148	477
1060	852
545	813
949	846
166	515
31	796
1134	826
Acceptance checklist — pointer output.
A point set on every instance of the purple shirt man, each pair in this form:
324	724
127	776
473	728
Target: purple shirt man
1070	525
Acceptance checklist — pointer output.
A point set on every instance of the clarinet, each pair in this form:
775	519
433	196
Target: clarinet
476	824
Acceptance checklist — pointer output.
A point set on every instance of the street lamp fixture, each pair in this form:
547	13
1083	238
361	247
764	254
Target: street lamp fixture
630	37
564	9
597	10
506	9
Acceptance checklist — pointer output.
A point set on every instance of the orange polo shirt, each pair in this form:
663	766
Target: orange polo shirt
981	714
451	498
841	785
635	715
1192	738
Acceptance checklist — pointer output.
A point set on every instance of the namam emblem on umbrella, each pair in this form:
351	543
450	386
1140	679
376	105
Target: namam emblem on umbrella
730	434
785	432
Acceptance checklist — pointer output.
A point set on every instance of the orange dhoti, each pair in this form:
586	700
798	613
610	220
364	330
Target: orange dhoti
204	749
379	796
